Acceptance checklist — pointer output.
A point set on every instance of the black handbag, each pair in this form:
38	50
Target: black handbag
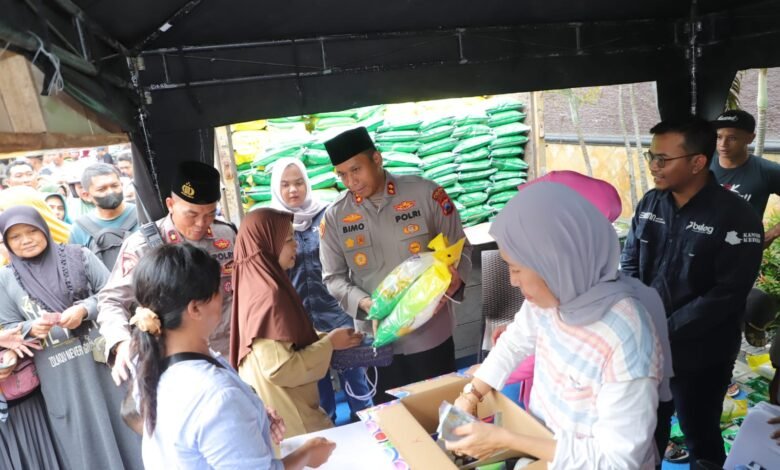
363	355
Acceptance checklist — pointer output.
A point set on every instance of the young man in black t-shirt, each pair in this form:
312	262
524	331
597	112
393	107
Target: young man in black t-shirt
751	177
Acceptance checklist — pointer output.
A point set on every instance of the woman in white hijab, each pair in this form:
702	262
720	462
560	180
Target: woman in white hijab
292	192
598	357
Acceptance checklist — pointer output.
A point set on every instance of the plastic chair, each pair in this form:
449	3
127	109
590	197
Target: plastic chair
500	301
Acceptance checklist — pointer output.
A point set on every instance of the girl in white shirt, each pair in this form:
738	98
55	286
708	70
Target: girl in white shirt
197	412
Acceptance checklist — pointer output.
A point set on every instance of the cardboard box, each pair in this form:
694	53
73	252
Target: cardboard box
409	422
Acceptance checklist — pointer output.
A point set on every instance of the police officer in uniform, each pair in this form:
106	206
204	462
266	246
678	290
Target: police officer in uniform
192	209
368	231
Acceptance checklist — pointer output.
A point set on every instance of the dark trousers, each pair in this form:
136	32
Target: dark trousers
411	368
698	400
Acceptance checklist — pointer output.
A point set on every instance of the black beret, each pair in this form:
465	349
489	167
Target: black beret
348	144
197	183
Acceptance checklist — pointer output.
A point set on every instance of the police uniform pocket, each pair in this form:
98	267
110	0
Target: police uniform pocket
358	249
413	237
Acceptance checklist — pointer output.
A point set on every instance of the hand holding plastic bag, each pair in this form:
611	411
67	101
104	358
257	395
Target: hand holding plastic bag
418	301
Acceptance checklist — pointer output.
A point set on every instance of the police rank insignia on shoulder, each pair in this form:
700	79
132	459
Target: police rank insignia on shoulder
443	200
128	263
173	236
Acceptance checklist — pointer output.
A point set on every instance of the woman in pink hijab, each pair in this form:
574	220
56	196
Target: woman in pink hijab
606	199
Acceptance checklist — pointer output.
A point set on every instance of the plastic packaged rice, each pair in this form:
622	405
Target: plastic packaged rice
446	181
506	152
347	113
397	136
437	133
313	171
368	112
428	125
244	166
509	164
455	190
406	147
326	195
270	156
505	117
509	141
440	170
324	180
373	123
506	106
322	124
259	193
439	146
472	186
514	128
460	207
497	206
472	199
437	159
477	165
476	175
504	185
475	215
316	157
505	175
410	125
259	205
406	170
473	143
479	154
261	178
502	197
471	120
474	130
394	159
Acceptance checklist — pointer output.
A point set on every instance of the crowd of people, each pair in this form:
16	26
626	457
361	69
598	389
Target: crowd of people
200	345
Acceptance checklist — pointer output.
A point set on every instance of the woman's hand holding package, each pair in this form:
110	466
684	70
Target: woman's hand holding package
467	403
40	327
344	338
451	290
479	440
13	340
73	316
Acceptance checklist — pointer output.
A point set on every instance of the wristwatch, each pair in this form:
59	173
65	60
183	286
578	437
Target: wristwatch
470	388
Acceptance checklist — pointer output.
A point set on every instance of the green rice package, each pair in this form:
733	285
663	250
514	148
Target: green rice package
369	112
270	156
437	133
472	199
313	171
395	159
506	106
261	178
514	128
474	130
325	180
406	147
475	185
476	175
502	197
475	215
373	123
244	176
506	152
508	164
428	125
505	117
325	195
504	185
406	170
325	123
348	113
443	145
455	190
317	157
259	205
473	143
477	165
259	193
446	181
397	136
440	170
410	125
479	154
459	206
244	166
471	120
505	175
437	159
497	206
509	141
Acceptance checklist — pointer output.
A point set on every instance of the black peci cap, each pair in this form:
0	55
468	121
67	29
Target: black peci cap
348	144
196	183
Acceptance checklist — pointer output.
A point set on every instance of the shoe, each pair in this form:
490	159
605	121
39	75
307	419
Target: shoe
733	390
675	453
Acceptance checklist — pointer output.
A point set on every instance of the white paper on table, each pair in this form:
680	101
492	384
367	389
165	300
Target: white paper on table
355	448
753	443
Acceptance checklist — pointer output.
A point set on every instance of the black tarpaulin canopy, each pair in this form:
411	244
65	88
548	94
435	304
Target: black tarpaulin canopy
169	71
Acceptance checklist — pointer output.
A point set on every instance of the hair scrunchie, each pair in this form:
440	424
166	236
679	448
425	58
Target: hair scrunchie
147	321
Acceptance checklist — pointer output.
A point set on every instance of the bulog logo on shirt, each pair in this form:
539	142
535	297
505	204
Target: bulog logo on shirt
354	227
699	228
408	216
652	217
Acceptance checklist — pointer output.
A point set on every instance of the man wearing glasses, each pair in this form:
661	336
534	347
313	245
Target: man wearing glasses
699	245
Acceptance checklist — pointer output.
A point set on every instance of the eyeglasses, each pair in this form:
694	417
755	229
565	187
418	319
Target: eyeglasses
650	156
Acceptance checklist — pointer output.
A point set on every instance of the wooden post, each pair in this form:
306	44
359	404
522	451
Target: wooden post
538	165
226	164
20	95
